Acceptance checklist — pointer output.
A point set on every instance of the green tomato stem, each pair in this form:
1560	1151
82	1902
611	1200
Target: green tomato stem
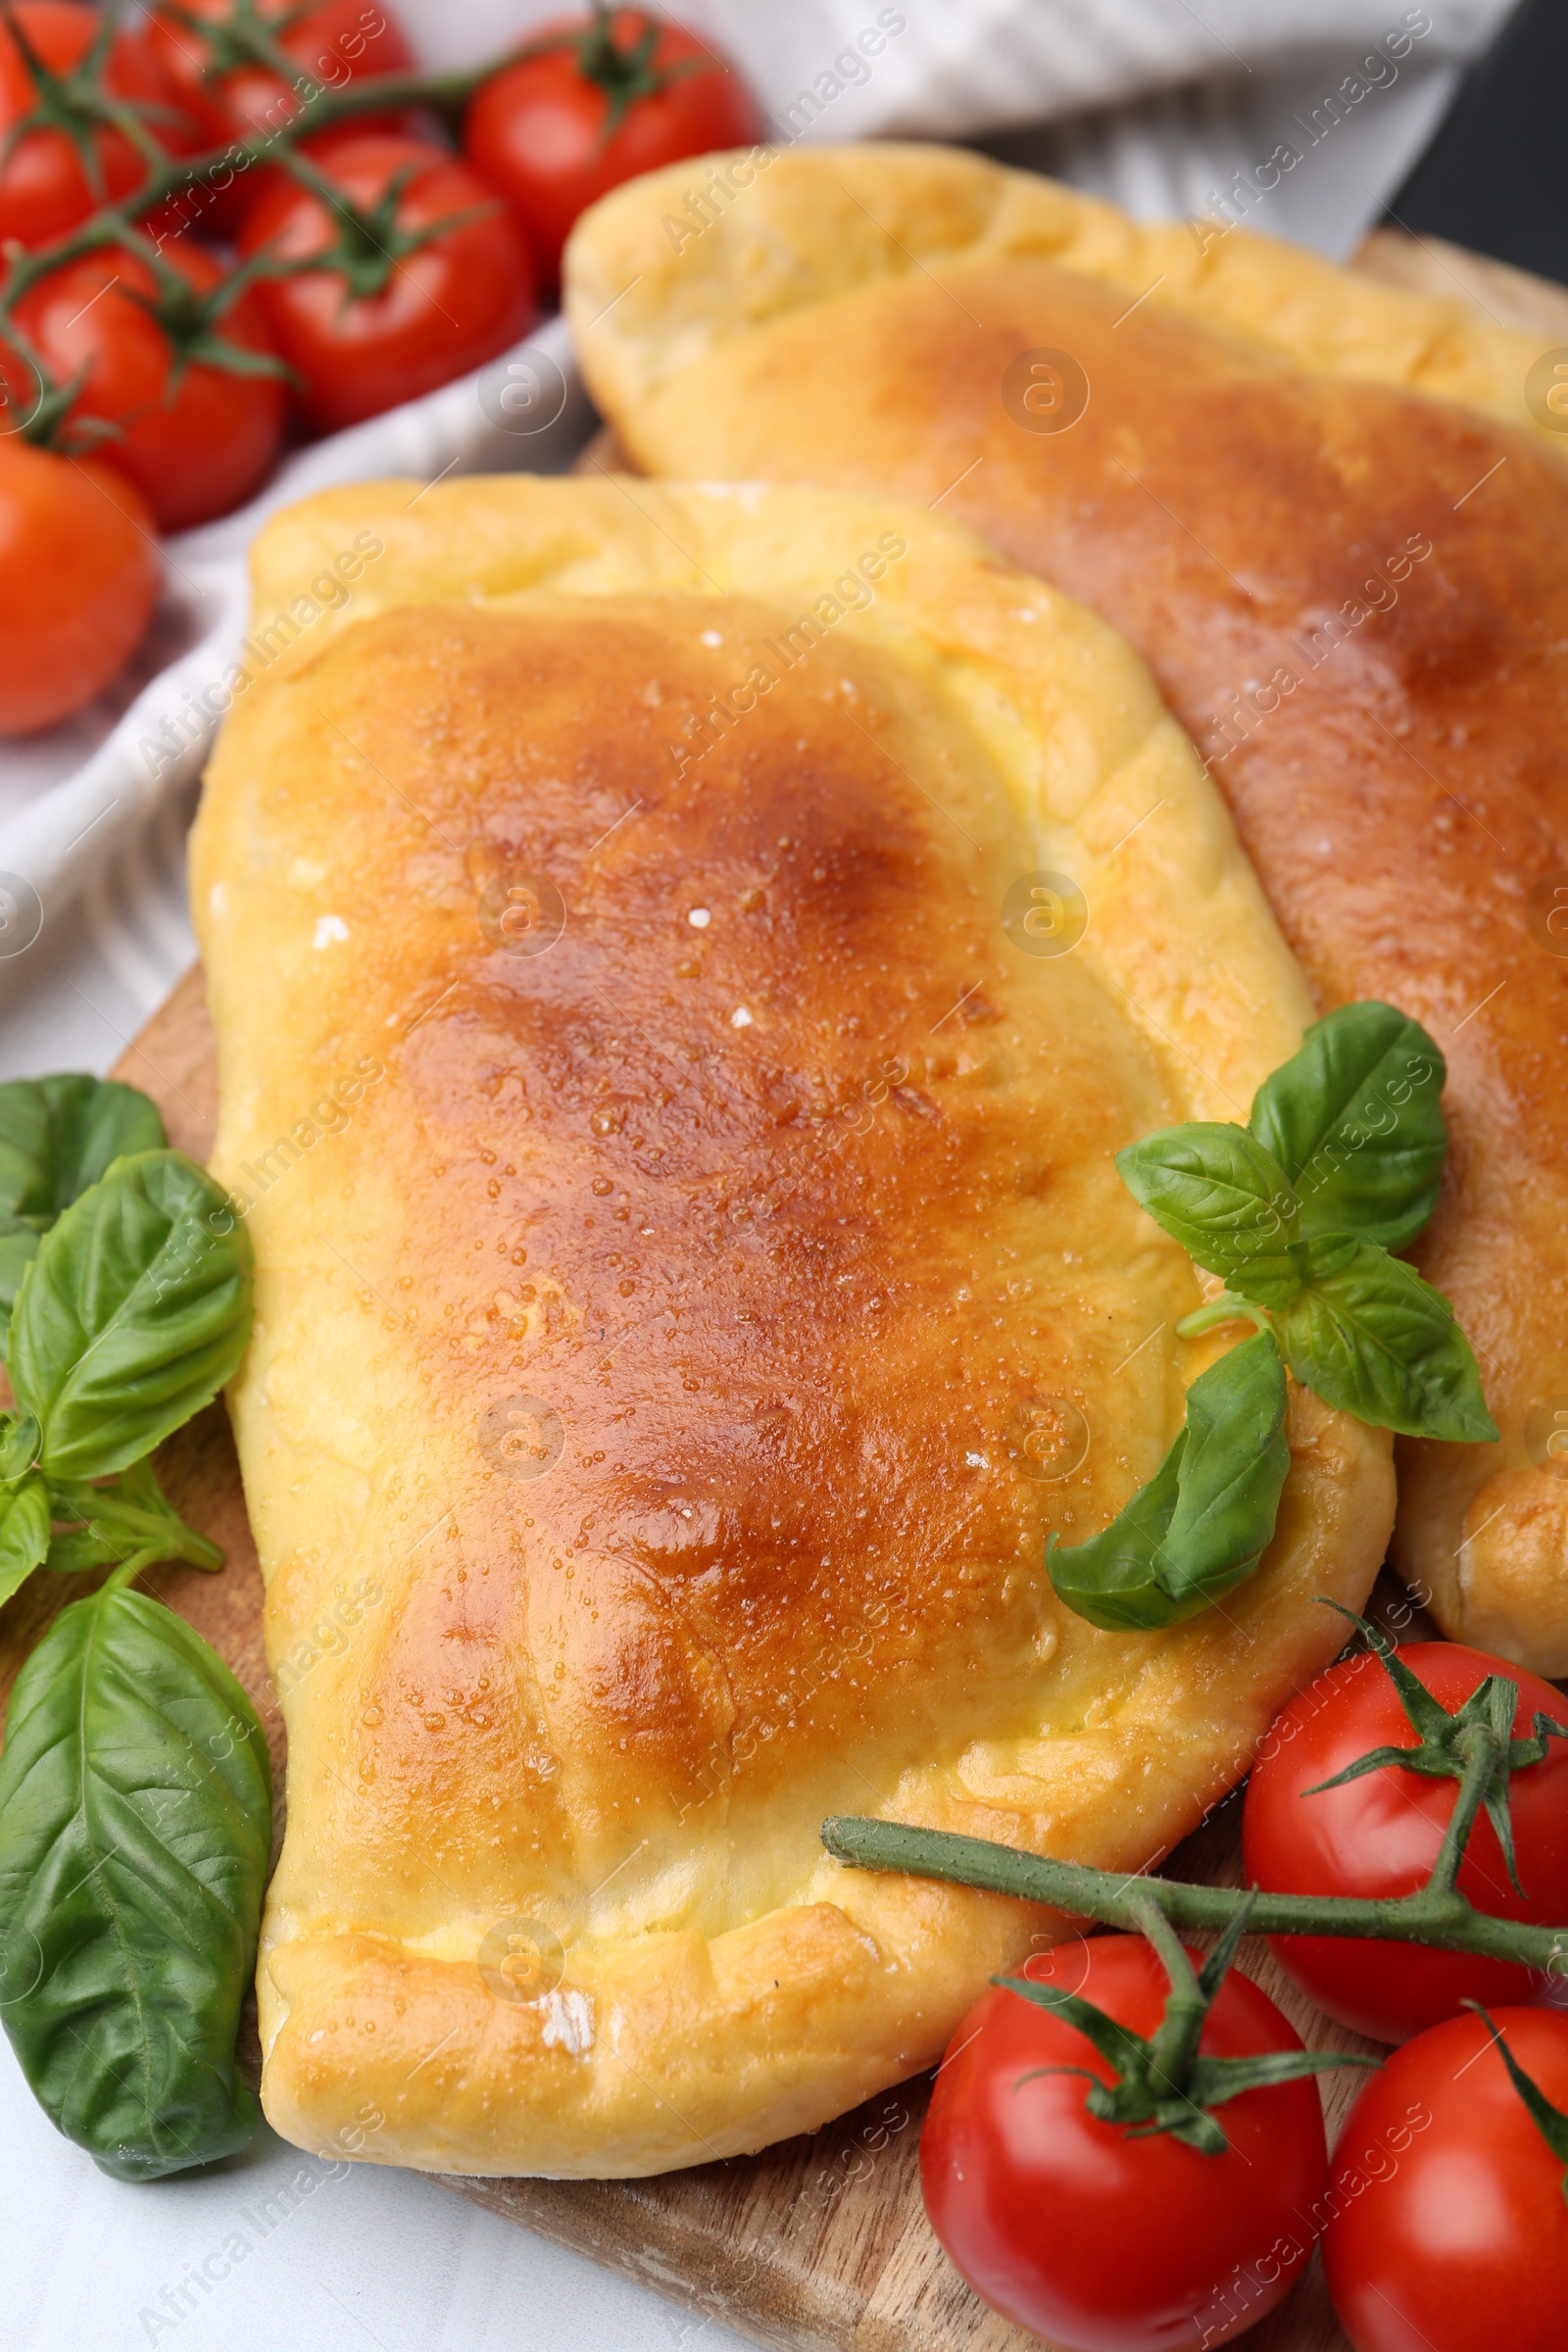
166	177
1483	1752
1434	1915
1174	2047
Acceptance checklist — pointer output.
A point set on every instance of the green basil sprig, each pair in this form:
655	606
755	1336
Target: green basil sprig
136	1794
1296	1212
56	1137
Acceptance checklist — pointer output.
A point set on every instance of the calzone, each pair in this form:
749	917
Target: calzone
1331	514
693	1280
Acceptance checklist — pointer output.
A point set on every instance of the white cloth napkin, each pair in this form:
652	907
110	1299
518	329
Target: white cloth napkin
93	825
960	67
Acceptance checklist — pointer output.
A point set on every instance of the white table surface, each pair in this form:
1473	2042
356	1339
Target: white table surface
274	2251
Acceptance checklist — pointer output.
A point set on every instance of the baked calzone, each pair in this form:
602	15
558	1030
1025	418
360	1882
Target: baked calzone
682	961
1331	514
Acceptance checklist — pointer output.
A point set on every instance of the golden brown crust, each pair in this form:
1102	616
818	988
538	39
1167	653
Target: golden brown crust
1354	600
814	226
782	1214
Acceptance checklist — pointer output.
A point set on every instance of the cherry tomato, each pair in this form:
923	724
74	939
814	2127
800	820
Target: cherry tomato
334	42
1448	2230
44	188
196	439
1092	2237
78	579
1380	1835
441	309
538	130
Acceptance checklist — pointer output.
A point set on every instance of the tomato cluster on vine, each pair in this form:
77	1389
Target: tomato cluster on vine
1123	2154
240	219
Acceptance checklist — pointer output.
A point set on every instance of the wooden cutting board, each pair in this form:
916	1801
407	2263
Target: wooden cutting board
819	2244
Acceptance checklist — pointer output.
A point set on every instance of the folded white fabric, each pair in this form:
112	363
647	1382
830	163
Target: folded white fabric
950	69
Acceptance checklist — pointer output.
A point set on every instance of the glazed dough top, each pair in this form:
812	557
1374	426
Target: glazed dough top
687	1230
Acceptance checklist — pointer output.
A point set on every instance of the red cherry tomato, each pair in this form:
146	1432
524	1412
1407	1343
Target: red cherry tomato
1449	2232
78	579
196	439
1093	2238
44	188
444	308
537	130
334	42
1380	1835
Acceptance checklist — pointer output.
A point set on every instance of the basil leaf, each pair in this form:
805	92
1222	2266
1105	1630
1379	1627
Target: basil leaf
18	1444
1372	1338
18	1247
56	1137
1356	1121
1235	1467
60	1134
135	1824
1326	1253
1113	1579
132	1315
74	1548
1205	1518
1216	1190
23	1529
